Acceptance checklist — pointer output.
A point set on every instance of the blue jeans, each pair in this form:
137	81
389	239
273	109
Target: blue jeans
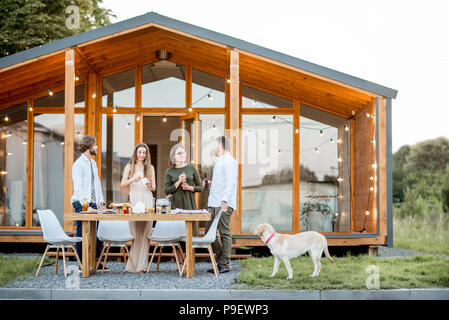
79	230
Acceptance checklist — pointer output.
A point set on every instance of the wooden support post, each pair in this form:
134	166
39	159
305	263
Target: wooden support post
90	106
381	118
296	167
138	121
109	153
98	122
234	128
69	143
188	86
30	164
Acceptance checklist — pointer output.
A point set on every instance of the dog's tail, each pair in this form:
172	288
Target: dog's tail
326	252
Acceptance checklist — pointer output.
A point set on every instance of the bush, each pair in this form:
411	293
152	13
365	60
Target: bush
415	205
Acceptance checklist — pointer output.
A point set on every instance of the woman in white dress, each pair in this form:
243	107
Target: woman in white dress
139	177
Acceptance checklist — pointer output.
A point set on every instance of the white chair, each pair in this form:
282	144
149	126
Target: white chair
114	234
206	242
167	234
55	236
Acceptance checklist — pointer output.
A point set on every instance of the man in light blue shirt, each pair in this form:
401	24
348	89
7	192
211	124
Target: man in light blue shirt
223	197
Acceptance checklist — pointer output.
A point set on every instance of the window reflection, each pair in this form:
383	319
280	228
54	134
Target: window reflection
48	182
208	91
254	98
13	151
57	99
324	172
267	171
117	147
163	85
119	90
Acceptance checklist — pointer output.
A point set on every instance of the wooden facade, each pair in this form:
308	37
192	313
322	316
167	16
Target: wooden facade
88	61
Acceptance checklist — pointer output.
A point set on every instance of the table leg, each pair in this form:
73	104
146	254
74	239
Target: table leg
190	252
92	245
85	253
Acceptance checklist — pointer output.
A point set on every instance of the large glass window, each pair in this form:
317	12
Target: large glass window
207	90
119	90
57	99
48	182
254	98
117	148
267	171
324	172
163	85
212	126
13	151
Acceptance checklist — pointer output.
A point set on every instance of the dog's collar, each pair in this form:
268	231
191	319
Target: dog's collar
270	237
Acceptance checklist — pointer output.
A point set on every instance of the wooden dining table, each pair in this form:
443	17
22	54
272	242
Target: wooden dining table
89	228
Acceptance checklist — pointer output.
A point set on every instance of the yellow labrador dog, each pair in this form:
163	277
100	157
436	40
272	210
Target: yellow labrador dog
286	246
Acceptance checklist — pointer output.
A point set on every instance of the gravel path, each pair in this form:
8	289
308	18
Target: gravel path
167	277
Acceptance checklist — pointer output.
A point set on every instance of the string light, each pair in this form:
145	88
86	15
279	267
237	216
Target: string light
3	172
316	150
78	134
209	97
24	142
321	133
128	125
253	102
164	119
339	159
62	143
94	94
339	140
274	118
331	140
50	92
340	179
346	127
367	114
114	109
373	141
30	108
7	134
279	152
6	118
43	145
374	165
367	212
228	80
297	130
190	109
9	154
138	117
371	189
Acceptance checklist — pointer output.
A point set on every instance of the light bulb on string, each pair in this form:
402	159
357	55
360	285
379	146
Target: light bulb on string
367	114
190	109
78	134
94	94
371	189
274	118
209	97
43	145
228	80
331	140
340	179
371	178
128	125
114	109
164	119
279	152
30	108
76	78
339	140
253	102
297	130
374	165
373	141
321	133
9	154
339	159
62	143
316	150
367	212
6	118
50	92
138	117
346	127
24	142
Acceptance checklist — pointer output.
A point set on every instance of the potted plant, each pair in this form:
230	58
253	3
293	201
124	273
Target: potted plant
317	216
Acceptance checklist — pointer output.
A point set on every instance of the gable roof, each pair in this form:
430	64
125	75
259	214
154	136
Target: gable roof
153	17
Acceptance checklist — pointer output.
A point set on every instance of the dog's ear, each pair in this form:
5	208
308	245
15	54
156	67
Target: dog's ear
258	230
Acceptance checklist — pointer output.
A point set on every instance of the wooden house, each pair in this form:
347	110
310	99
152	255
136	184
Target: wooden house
313	144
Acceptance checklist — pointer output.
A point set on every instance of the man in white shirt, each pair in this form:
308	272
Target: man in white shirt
86	185
223	197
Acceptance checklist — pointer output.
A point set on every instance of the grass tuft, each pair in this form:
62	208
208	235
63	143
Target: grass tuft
16	268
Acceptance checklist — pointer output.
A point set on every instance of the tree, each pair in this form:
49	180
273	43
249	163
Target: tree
28	23
429	155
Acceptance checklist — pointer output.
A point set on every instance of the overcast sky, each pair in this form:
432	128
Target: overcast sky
403	45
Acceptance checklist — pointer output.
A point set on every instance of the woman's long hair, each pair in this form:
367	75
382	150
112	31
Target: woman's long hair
146	163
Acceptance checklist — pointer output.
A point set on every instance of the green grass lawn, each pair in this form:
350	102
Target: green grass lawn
16	268
346	273
423	234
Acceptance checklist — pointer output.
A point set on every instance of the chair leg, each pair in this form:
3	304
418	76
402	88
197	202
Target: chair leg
101	256
159	258
176	258
42	260
57	260
183	269
77	257
212	258
63	260
129	257
152	257
106	257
